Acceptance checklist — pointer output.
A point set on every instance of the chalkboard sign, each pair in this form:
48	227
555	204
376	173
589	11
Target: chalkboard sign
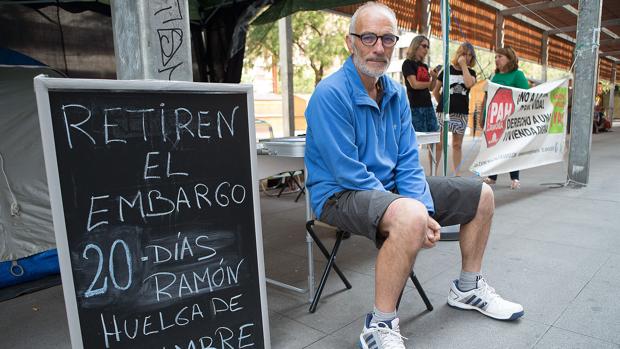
156	212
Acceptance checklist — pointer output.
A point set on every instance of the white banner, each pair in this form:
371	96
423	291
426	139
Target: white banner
523	128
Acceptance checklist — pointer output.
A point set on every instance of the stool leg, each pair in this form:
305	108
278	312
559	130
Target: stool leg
330	264
418	287
301	192
318	242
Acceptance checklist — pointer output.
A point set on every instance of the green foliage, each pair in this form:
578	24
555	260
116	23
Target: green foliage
262	42
319	38
318	44
555	74
303	80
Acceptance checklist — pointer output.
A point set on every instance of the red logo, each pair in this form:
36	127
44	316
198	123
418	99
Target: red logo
500	108
422	74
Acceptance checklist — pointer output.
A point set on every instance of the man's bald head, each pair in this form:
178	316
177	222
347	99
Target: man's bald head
375	7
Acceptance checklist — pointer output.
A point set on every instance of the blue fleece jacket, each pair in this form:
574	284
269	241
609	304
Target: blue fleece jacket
354	144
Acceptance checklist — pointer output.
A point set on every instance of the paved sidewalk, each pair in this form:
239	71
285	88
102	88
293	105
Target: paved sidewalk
554	249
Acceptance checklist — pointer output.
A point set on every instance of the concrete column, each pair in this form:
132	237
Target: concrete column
152	39
445	30
499	30
424	8
612	91
544	55
586	73
285	36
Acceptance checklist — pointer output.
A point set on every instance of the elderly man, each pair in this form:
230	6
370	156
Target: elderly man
365	177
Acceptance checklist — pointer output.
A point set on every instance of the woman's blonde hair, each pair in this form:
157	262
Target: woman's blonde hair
413	47
463	48
513	60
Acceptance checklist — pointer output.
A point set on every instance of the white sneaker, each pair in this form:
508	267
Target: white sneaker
381	335
485	300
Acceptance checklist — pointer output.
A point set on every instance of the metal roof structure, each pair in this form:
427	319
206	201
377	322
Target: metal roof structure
522	24
541	31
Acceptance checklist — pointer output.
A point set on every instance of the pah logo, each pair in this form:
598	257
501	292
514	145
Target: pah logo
501	107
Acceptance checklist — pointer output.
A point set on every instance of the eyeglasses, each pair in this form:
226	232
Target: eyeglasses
370	39
425	46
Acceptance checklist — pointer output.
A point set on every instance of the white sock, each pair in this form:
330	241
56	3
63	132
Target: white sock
379	316
468	280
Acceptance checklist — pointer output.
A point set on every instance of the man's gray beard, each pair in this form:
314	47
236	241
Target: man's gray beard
363	68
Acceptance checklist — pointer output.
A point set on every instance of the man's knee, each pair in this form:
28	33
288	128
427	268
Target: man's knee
486	205
405	222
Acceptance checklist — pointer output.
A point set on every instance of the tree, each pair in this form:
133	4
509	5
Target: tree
318	39
262	42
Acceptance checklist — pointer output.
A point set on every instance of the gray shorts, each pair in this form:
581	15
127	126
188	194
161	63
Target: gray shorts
359	212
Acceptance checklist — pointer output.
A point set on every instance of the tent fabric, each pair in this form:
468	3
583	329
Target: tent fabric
29	268
10	57
225	33
283	8
80	44
30	231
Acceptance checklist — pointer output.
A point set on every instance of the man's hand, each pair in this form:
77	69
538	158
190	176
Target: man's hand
433	233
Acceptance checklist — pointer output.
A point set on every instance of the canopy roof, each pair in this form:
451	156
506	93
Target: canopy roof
525	21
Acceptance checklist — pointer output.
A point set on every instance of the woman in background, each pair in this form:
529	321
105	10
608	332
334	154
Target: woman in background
507	73
420	81
462	78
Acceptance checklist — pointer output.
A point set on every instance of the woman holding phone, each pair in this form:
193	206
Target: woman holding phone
420	81
462	78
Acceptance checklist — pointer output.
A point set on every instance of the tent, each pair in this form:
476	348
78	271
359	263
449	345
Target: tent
27	243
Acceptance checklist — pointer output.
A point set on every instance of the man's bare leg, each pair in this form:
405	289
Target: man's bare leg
404	223
457	152
475	234
436	161
471	292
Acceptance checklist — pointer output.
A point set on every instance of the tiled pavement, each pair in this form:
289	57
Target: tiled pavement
555	250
